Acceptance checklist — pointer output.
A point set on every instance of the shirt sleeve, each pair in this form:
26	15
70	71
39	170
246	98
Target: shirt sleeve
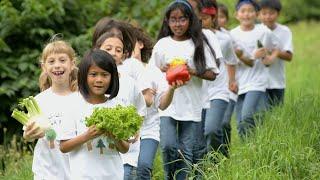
210	58
270	40
139	101
230	55
288	45
157	58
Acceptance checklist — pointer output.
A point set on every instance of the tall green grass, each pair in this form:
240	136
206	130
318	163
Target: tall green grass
286	146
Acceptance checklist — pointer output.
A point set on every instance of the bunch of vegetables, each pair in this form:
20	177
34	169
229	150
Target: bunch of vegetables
34	114
178	70
121	121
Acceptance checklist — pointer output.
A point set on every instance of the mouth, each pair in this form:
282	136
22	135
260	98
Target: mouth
58	73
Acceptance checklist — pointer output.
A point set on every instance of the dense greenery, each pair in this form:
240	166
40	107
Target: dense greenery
287	146
26	25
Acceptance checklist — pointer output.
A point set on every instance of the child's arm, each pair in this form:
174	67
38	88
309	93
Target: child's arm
166	98
207	75
246	60
71	144
121	145
285	55
269	59
233	86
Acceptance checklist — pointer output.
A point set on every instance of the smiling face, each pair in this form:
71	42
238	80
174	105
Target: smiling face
178	24
98	82
268	17
246	15
58	66
114	47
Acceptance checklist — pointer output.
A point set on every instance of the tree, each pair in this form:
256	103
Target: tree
101	146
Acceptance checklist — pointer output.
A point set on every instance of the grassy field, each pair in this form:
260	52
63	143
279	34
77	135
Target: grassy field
287	146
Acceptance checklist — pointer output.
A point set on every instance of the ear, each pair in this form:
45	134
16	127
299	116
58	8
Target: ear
141	45
43	68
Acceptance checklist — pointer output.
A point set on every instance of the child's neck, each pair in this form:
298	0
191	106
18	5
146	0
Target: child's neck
272	26
61	89
97	99
247	27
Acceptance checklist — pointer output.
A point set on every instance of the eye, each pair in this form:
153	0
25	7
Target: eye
92	74
106	74
50	61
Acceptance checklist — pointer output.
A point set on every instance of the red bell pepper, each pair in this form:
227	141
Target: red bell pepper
178	72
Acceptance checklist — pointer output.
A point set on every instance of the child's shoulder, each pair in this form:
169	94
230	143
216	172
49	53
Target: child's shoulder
283	28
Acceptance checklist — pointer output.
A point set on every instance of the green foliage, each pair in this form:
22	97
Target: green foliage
122	122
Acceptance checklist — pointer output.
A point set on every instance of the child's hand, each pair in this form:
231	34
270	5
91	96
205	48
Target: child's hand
268	60
135	139
239	53
233	86
177	84
93	132
165	67
260	53
33	131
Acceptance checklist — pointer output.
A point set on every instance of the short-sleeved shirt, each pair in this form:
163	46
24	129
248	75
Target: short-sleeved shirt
187	100
218	89
48	161
94	159
277	79
254	78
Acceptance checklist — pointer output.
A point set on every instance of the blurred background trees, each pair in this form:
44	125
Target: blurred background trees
26	26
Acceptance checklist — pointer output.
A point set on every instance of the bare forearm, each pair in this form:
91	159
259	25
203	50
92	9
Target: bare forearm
71	144
285	55
231	72
247	61
207	75
122	146
166	99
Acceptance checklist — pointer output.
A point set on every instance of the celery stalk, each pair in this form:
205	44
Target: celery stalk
20	116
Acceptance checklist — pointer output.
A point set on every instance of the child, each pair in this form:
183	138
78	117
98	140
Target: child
98	85
253	74
269	13
223	16
181	37
218	92
58	81
129	93
150	135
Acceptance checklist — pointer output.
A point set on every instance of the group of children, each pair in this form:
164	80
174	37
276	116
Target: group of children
242	68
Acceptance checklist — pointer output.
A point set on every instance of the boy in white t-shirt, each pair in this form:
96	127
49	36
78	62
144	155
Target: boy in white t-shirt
269	13
252	73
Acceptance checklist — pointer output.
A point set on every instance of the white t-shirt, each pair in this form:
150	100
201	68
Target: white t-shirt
99	163
254	78
151	124
133	68
218	89
277	79
50	163
130	94
187	100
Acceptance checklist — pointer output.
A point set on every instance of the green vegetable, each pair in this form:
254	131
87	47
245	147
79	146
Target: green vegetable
122	122
34	113
51	134
32	107
259	44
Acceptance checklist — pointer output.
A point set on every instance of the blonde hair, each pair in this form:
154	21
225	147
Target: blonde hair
58	46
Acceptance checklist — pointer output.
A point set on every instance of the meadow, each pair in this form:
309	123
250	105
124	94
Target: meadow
286	146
